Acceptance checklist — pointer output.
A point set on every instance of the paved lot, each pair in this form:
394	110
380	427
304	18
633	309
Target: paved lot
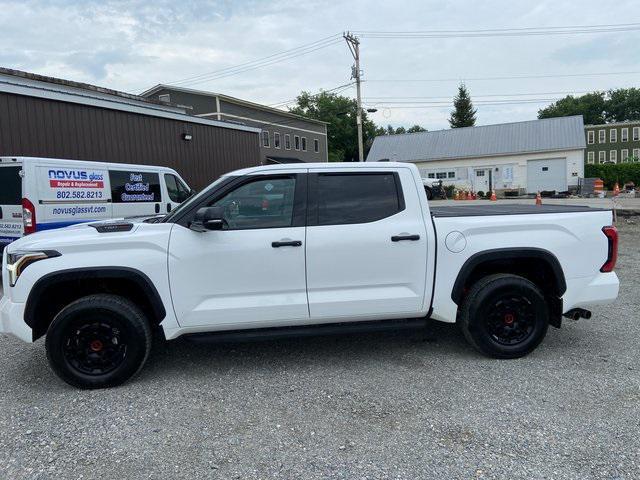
368	406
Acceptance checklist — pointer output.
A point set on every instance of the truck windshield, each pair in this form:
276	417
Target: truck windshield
10	185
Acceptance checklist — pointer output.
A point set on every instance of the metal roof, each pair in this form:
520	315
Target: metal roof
28	84
550	134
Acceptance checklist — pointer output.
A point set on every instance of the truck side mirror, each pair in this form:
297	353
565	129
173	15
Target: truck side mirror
208	218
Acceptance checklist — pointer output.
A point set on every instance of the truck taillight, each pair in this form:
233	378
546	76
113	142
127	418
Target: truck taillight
611	233
28	216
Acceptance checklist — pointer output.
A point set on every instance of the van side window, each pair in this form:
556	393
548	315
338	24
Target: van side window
357	198
178	192
134	187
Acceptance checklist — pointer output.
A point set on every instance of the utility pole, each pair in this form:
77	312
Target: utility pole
354	46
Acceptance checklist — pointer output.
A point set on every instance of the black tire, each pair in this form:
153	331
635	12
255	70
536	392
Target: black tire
504	316
98	341
429	193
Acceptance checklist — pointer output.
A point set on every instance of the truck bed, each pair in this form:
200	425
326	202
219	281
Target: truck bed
487	209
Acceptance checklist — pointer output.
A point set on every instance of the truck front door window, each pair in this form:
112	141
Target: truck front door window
263	203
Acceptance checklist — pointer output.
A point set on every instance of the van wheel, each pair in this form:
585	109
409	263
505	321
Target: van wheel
98	341
504	316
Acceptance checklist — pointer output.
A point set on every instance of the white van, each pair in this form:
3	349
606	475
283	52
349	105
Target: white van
44	193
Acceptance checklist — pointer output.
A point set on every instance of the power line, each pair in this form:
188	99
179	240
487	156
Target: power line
261	62
450	104
381	99
511	77
503	32
338	89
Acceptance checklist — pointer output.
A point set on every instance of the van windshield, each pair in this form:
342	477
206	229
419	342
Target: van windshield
10	185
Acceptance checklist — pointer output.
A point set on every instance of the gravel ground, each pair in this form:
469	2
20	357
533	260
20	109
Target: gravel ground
367	406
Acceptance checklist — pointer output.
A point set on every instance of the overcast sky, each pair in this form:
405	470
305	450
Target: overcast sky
133	45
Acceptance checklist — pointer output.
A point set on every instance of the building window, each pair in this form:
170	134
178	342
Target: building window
287	141
591	157
265	138
296	142
624	155
591	137
479	173
636	154
624	135
441	175
316	145
602	156
602	136
613	135
431	175
304	144
613	156
276	140
451	174
636	133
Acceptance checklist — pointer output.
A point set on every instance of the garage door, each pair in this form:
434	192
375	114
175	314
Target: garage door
547	175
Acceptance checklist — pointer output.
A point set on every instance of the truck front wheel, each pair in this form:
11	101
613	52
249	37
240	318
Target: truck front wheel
98	341
504	316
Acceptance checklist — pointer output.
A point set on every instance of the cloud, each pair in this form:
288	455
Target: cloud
132	45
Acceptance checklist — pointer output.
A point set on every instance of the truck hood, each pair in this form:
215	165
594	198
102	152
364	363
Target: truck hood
86	237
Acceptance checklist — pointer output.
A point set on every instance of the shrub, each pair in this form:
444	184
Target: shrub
612	173
480	194
449	190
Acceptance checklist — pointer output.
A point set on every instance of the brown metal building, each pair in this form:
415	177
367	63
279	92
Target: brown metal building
48	117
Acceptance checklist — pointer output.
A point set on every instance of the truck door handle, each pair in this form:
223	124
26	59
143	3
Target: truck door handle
400	238
289	243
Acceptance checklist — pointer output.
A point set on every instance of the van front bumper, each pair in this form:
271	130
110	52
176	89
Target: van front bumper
12	320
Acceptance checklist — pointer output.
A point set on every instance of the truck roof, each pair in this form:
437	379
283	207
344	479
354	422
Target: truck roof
323	166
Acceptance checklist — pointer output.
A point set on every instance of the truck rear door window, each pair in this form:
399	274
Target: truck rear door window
357	198
134	187
10	186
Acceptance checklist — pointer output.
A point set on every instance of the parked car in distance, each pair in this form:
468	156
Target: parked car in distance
43	193
299	249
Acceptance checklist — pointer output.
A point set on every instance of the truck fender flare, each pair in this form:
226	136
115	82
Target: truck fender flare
516	253
107	273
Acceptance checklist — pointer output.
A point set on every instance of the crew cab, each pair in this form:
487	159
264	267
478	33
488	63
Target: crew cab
305	248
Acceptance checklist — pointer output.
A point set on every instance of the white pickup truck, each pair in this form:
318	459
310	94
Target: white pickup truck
299	249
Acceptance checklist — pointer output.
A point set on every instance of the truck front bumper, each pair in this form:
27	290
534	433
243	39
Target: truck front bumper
12	320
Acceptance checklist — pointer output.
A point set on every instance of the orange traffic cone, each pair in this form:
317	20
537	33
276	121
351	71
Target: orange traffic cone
538	199
493	196
616	190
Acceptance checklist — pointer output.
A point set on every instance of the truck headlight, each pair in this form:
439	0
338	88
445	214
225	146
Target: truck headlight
18	261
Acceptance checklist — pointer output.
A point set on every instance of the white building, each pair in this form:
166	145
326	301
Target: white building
531	156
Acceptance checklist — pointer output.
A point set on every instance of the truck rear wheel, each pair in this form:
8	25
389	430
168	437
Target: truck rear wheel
98	341
504	316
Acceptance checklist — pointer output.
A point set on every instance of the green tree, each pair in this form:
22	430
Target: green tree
463	115
340	114
623	105
591	106
389	130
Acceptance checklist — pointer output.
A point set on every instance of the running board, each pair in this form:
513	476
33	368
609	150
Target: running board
259	334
